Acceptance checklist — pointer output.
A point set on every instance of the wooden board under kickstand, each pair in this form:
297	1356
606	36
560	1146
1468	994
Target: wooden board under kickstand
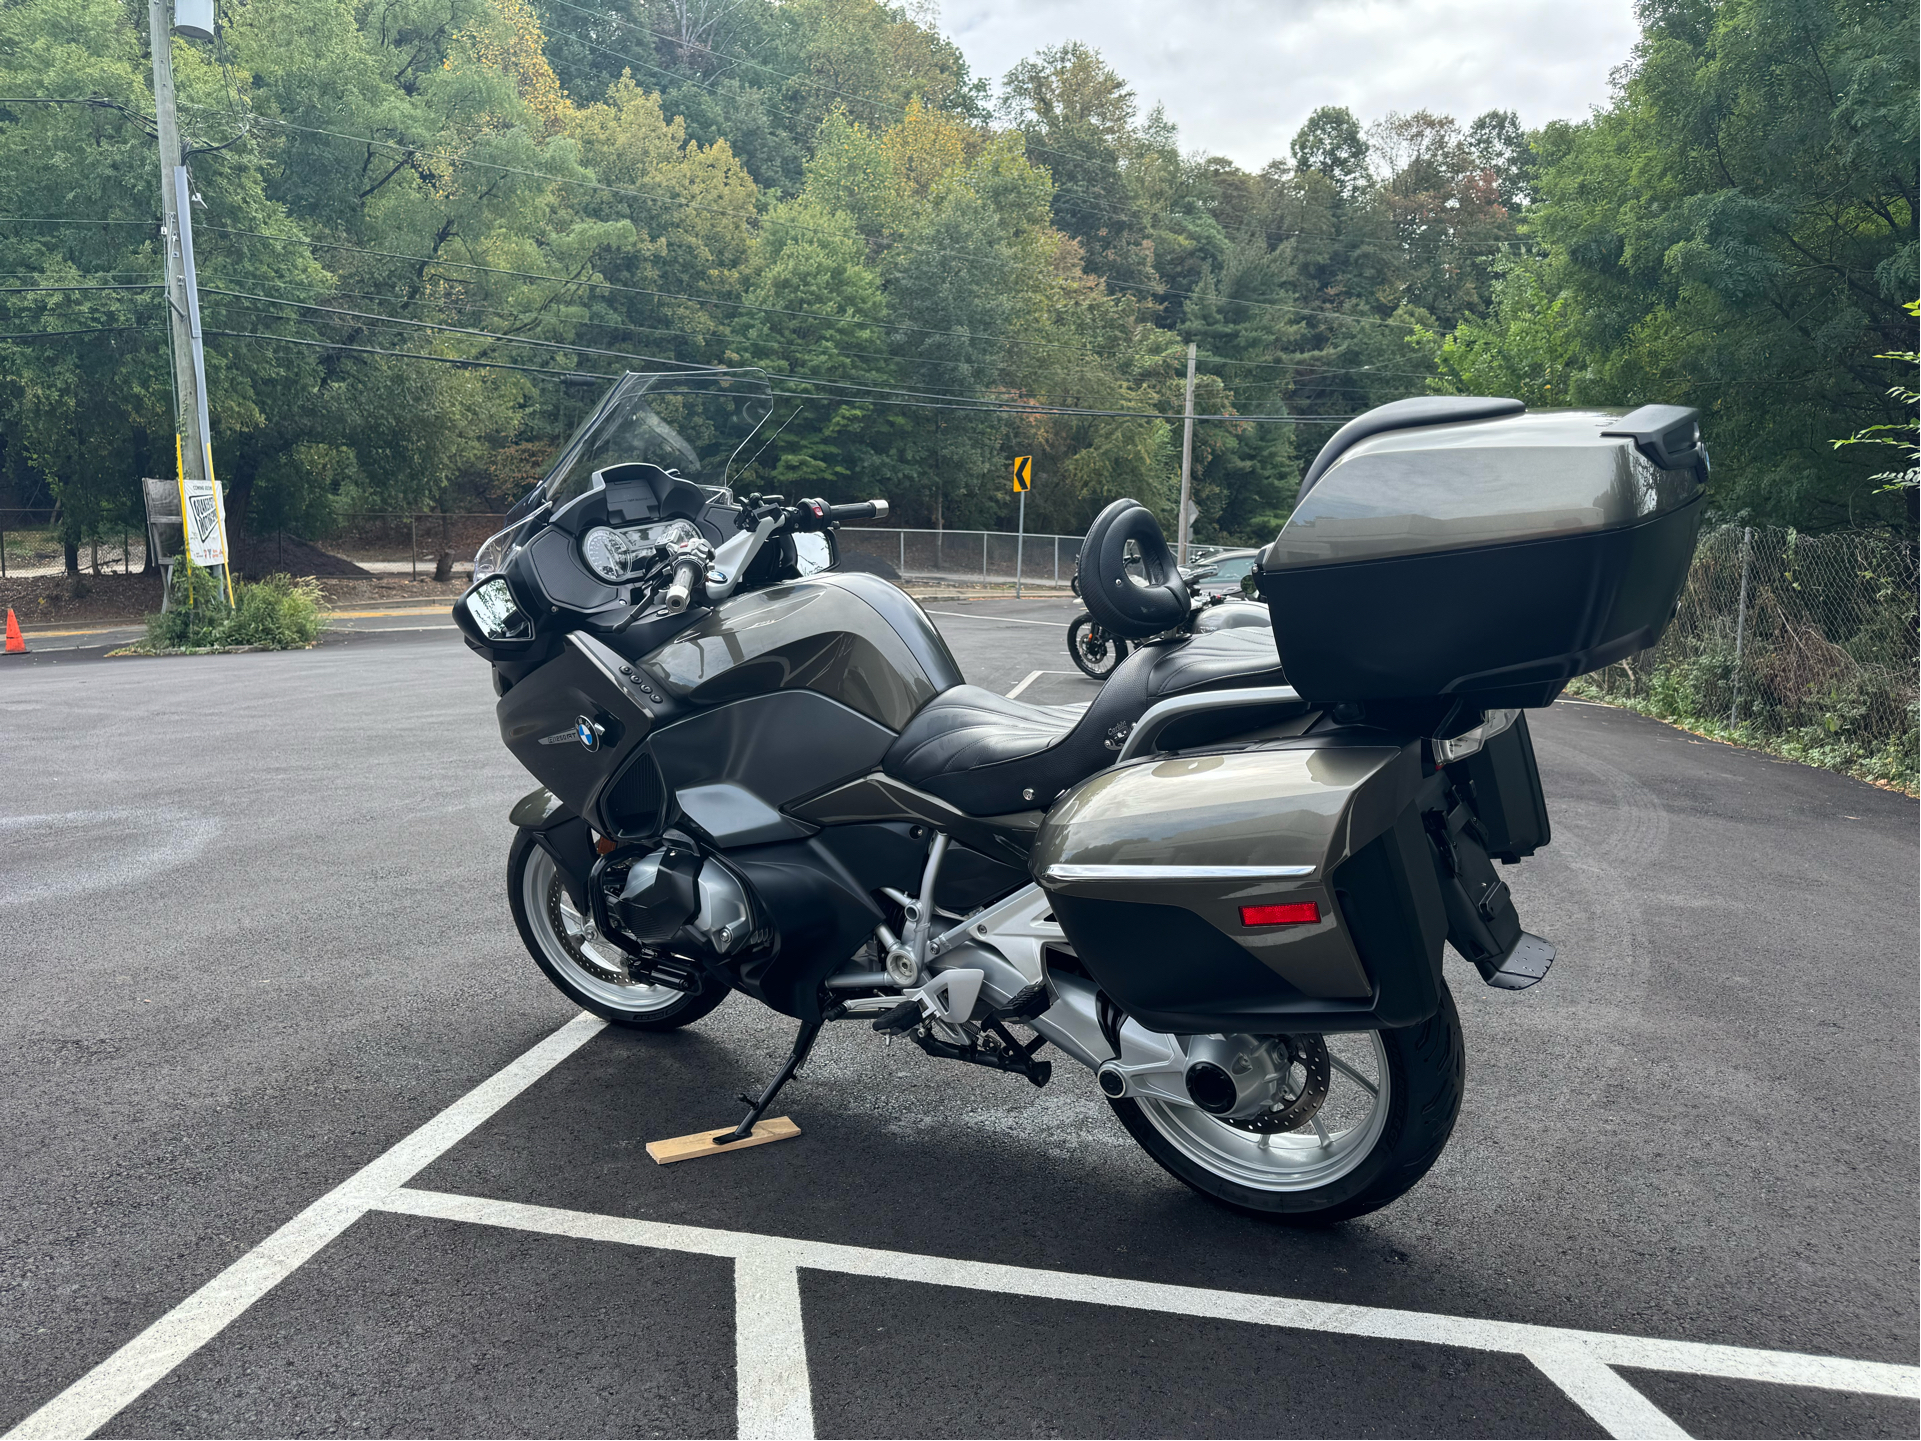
701	1143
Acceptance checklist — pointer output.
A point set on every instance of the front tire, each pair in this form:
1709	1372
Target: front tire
588	970
1374	1151
1095	651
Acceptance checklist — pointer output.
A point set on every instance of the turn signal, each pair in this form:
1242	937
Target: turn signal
1296	913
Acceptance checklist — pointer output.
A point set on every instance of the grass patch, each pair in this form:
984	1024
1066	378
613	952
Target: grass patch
1891	764
275	613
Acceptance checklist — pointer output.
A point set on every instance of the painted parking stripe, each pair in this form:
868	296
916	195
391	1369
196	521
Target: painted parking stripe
123	1377
773	1392
1579	1362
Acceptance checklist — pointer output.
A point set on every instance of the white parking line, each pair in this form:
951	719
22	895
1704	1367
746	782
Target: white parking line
116	1382
774	1395
1579	1362
1032	676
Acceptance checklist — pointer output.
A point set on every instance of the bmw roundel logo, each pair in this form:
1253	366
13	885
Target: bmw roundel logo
588	732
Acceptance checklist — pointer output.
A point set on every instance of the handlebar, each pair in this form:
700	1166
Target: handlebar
686	572
859	510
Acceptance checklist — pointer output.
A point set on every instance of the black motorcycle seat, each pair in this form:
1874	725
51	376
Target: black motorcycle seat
988	755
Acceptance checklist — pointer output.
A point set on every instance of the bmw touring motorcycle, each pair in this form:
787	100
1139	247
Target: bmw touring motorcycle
1223	887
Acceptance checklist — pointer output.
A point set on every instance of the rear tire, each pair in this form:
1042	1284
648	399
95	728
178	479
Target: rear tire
587	971
1424	1067
1096	652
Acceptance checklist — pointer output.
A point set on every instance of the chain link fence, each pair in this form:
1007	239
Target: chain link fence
30	546
978	557
1804	645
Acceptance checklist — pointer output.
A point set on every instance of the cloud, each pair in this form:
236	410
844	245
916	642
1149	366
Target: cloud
1240	76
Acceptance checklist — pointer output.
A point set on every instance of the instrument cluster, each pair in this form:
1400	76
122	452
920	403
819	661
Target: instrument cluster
631	552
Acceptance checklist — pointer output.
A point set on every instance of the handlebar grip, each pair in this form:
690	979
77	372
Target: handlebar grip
859	510
686	573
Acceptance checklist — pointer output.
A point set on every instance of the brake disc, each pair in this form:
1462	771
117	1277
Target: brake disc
1305	1087
575	934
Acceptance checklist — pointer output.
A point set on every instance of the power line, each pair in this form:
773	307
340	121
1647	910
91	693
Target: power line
655	294
452	329
89	330
568	375
703	337
978	409
790	376
745	305
45	289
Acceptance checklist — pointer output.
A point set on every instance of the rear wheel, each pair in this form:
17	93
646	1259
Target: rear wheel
1390	1100
1095	651
590	970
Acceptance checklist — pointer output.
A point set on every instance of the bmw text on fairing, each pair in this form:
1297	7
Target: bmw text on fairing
1223	888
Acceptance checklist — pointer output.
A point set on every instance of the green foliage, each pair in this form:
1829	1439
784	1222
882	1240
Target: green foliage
275	613
820	188
1904	435
1736	232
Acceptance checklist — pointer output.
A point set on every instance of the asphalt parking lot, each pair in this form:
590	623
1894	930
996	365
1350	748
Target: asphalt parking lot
301	1143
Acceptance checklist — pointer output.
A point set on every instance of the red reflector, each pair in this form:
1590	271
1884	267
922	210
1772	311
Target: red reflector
1298	913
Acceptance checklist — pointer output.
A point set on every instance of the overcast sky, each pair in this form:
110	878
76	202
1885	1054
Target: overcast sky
1239	76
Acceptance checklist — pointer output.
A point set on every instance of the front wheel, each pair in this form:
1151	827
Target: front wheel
1095	651
588	969
1391	1098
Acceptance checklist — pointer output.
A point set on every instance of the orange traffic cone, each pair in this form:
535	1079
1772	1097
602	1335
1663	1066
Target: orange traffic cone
16	642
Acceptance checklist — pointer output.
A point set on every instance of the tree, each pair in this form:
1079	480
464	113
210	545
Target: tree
1738	232
1331	144
1081	116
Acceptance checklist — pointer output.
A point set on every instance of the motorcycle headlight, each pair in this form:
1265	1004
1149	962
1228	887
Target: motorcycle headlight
491	558
494	610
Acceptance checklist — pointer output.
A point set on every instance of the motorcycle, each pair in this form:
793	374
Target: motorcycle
1096	652
1223	889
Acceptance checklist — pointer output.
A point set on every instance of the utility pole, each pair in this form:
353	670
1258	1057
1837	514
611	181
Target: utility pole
1187	466
193	450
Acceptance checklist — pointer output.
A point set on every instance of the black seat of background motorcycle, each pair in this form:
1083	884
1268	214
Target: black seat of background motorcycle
982	752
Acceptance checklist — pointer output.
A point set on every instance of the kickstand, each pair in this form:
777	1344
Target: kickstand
803	1043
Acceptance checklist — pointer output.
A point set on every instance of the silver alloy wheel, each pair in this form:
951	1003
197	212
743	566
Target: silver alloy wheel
1339	1137
592	965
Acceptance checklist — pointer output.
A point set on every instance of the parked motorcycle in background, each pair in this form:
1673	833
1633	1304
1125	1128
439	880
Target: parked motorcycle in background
1223	889
1096	652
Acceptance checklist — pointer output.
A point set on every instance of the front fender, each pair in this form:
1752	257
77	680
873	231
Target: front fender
539	810
563	835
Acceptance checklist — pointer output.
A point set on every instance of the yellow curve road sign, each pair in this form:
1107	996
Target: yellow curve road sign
1023	472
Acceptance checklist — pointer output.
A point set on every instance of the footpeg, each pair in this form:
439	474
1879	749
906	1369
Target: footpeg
1522	966
903	1017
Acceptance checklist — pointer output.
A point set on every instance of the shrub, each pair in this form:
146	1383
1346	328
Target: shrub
277	613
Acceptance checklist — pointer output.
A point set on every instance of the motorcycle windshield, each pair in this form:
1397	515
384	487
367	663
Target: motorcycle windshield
690	422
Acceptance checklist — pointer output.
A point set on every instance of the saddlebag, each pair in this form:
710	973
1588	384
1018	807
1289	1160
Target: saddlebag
1291	887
